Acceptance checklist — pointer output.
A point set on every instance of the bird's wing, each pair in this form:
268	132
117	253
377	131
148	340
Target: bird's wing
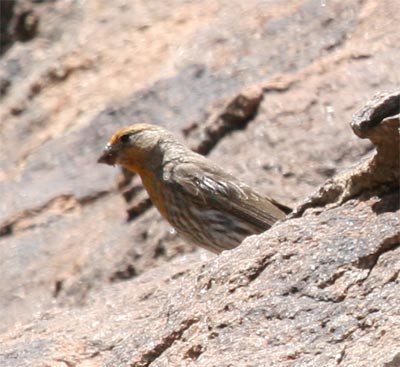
211	187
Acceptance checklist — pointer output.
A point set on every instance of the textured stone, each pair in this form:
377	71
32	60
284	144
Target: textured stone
93	276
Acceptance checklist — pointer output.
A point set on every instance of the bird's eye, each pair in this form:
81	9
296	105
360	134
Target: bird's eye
124	138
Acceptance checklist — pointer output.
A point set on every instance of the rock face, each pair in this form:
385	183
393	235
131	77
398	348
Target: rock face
92	276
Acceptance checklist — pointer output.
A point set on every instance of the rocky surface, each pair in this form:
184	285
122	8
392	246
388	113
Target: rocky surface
92	276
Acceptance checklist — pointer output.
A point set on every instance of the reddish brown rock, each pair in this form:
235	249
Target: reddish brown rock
91	275
317	290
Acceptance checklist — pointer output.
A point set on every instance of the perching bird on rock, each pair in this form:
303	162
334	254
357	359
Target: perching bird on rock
205	204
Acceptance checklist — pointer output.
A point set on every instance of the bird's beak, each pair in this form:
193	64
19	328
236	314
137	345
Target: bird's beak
109	155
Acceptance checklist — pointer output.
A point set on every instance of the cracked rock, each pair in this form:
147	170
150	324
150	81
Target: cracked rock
91	275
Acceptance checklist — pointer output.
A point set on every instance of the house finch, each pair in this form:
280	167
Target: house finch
206	205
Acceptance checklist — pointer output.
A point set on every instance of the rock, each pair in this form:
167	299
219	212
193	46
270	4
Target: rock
25	24
92	275
320	289
7	9
378	121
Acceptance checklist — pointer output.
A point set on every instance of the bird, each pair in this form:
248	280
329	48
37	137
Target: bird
206	205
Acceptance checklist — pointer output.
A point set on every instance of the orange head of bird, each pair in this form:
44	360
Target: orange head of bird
135	147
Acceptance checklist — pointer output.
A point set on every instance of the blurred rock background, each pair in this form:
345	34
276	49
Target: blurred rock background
72	72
